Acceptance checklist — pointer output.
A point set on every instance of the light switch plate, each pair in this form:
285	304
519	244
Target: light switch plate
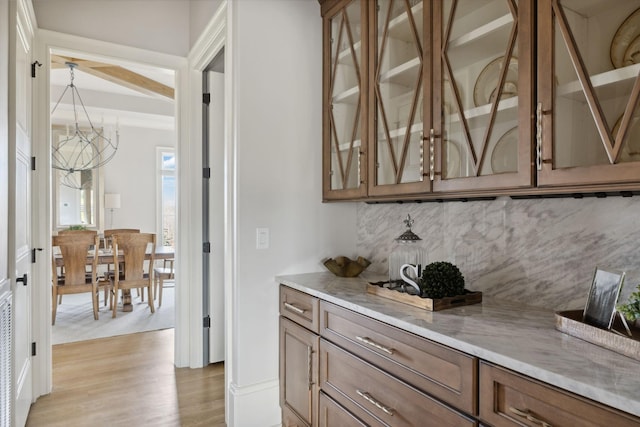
262	238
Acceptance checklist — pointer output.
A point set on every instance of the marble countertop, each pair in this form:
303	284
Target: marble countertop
512	335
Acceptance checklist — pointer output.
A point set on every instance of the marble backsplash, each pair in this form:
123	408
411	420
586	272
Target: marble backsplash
541	252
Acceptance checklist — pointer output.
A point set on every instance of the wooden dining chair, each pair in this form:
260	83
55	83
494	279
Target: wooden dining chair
161	274
135	273
74	232
77	250
108	243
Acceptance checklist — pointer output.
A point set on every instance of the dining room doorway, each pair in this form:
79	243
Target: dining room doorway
133	106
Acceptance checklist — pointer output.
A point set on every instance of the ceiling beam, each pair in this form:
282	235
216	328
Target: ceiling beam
116	74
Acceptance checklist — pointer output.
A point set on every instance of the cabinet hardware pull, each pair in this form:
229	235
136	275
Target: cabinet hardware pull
366	396
432	139
368	341
526	414
421	156
294	308
539	136
309	365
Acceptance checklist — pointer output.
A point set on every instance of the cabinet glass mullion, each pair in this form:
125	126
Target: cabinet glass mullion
397	115
483	86
589	94
345	80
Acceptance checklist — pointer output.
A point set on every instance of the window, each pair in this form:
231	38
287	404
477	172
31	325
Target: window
166	196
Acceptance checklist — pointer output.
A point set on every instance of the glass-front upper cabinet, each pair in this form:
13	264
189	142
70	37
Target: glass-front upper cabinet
588	92
483	95
400	83
345	88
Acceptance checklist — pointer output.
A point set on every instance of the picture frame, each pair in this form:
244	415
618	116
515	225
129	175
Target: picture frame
605	288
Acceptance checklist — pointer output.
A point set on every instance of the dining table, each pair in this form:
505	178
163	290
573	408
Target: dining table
105	257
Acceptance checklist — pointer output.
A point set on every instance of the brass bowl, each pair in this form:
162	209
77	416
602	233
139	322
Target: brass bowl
342	266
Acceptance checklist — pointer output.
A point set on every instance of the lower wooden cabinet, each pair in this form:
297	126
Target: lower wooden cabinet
332	414
510	399
298	374
339	368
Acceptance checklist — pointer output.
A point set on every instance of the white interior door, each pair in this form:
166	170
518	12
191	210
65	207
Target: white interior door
6	299
20	219
216	216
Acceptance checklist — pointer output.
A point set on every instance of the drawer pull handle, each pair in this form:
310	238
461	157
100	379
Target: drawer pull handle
366	396
294	308
310	366
526	414
368	341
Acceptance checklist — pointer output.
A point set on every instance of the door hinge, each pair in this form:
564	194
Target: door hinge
33	348
33	163
33	68
206	98
206	173
206	322
33	254
206	247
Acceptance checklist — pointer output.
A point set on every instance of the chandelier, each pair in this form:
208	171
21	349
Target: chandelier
82	148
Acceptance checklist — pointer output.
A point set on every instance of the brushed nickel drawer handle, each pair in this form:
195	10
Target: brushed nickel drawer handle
526	414
368	341
294	308
366	396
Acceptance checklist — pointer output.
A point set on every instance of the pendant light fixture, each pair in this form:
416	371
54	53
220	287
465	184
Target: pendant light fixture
83	147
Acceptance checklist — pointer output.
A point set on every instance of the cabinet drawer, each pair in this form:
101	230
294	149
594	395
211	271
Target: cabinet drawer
299	307
334	415
445	373
510	399
378	398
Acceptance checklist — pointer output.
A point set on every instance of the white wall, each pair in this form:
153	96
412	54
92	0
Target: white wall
200	13
277	89
158	25
132	174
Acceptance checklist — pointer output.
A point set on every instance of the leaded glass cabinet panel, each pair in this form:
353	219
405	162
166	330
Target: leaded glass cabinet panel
482	95
399	84
588	92
345	81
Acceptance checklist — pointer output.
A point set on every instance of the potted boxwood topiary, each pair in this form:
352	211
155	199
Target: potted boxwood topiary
441	279
631	310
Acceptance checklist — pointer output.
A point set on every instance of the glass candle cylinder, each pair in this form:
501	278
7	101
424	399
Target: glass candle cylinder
408	250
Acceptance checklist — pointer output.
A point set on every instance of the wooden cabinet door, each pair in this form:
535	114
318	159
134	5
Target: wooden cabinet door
481	137
298	374
332	414
399	84
345	82
588	92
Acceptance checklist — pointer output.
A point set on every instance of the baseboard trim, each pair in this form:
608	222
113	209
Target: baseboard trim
254	405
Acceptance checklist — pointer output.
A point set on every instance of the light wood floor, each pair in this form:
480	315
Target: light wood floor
129	381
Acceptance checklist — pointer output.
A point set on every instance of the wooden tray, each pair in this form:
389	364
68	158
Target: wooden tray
570	322
426	303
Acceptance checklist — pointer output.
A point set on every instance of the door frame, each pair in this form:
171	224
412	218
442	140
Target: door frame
45	42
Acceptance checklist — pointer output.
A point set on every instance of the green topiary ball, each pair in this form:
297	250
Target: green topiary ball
441	279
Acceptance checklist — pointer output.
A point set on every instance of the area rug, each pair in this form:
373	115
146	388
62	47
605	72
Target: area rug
74	320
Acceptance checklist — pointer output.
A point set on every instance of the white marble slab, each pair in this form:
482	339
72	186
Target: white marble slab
541	252
516	336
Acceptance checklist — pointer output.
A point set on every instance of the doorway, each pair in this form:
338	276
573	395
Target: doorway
132	107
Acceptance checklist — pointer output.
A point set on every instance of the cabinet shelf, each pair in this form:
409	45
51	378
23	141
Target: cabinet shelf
508	107
347	145
399	27
345	57
616	83
473	46
416	128
349	96
403	75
